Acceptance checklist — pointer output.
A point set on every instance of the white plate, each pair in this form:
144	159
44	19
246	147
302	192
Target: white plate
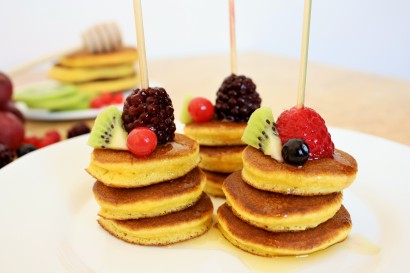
48	219
39	114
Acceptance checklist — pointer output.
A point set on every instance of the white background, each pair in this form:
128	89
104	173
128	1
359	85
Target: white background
366	35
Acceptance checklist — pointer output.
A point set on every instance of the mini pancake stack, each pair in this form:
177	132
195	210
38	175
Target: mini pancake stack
220	149
98	73
154	200
151	199
274	208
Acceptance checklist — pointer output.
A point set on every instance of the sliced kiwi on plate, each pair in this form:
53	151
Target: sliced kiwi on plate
108	131
261	133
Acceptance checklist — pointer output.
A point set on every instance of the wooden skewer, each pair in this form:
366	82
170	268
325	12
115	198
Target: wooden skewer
304	54
234	66
139	27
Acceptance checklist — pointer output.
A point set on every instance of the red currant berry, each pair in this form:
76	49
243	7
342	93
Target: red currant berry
107	98
201	109
49	138
118	98
142	141
96	103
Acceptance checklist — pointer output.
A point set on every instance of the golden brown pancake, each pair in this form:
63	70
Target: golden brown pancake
122	169
85	59
109	85
321	176
276	211
265	243
216	133
214	183
223	159
86	74
164	230
150	201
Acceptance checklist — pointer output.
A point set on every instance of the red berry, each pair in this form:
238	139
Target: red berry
49	138
142	141
107	98
33	140
118	98
96	103
307	124
201	109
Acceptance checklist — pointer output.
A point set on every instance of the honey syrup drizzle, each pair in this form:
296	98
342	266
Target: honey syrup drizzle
214	240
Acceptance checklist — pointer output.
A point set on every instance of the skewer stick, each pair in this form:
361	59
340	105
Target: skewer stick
142	57
234	66
304	54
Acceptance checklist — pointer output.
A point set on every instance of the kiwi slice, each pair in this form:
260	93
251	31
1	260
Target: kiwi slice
261	133
108	131
185	117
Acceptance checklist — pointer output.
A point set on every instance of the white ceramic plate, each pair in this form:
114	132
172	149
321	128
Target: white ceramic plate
48	220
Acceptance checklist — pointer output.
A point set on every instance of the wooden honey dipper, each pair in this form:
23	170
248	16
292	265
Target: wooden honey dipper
104	37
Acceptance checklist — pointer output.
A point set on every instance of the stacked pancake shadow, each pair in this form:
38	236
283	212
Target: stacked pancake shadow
153	200
220	149
275	209
98	73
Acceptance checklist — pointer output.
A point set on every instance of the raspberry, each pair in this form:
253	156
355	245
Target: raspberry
78	130
236	99
307	124
6	155
150	108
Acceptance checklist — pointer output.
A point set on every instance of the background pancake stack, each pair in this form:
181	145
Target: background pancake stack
220	149
152	200
276	208
94	74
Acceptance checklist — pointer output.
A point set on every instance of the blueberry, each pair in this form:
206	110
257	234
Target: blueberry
25	149
295	152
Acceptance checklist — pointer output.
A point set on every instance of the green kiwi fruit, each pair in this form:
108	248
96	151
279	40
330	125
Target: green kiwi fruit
108	131
185	117
261	133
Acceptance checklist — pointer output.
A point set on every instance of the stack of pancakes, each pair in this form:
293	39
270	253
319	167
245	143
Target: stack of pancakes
220	149
276	209
98	73
152	200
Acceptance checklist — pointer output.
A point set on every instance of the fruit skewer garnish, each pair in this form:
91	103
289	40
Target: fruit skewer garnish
237	97
299	133
147	118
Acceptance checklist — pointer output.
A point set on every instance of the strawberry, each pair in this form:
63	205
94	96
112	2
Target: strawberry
307	124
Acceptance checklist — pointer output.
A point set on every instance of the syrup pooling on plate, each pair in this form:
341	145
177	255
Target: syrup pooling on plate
213	240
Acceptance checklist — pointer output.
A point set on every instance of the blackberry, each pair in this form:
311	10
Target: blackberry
78	129
6	155
236	99
150	108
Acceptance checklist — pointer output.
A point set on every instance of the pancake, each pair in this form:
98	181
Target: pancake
265	243
122	169
164	230
150	201
108	85
278	212
224	159
80	74
321	176
85	59
214	183
216	133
